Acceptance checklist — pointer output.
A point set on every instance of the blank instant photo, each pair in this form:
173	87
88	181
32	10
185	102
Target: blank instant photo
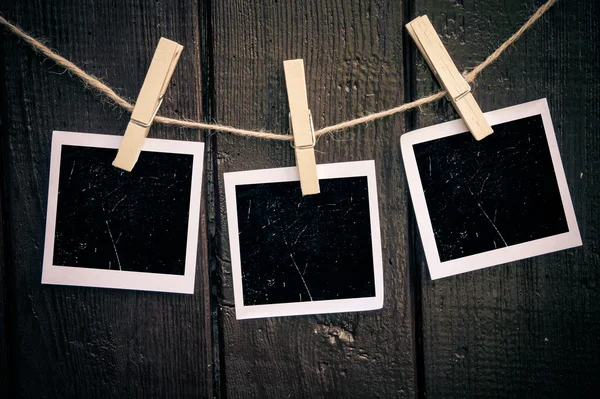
110	228
295	255
483	203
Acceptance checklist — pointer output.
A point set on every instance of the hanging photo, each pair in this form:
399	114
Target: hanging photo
110	228
294	255
483	203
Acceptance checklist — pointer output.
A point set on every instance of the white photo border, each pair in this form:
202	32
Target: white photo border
438	269
277	175
88	277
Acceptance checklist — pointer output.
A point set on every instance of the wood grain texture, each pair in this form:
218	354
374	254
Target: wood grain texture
354	64
4	256
82	342
530	328
527	329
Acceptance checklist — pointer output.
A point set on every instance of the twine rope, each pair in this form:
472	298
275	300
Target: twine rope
97	85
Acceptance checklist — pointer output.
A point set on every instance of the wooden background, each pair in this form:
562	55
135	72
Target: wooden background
529	329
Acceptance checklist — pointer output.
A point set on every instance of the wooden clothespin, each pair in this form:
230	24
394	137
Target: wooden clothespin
302	126
459	91
148	102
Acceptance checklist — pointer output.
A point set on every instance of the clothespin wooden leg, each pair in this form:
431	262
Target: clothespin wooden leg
302	126
148	102
459	91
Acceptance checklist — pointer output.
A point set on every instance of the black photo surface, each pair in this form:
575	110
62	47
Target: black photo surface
484	203
107	218
302	249
493	193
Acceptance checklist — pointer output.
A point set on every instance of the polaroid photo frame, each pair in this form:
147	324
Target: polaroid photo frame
520	122
352	178
79	265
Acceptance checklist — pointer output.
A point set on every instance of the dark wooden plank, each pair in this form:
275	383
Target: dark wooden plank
530	328
4	257
81	342
353	57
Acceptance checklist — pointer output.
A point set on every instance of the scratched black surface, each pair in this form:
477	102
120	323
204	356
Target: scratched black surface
497	192
297	249
111	219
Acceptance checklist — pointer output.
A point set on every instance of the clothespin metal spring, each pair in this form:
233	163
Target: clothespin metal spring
149	123
312	132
